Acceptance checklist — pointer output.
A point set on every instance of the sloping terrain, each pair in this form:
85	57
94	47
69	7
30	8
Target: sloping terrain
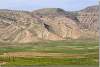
48	24
89	21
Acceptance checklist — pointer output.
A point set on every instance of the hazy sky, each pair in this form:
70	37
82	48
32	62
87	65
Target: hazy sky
37	4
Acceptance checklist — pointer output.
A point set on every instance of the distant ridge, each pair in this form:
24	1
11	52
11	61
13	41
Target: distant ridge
48	24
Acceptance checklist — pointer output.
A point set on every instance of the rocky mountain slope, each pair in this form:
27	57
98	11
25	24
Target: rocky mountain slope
89	21
48	24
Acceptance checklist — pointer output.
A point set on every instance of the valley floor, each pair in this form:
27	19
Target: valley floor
71	52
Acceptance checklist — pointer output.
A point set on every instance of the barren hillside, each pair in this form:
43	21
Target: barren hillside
48	24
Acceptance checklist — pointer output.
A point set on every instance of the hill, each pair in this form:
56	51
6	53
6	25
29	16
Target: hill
48	24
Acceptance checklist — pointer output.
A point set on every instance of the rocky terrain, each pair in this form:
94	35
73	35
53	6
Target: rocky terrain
89	21
48	24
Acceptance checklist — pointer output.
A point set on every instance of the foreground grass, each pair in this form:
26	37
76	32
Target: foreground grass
49	61
88	47
76	46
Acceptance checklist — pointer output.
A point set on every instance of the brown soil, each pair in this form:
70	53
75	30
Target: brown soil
41	54
2	62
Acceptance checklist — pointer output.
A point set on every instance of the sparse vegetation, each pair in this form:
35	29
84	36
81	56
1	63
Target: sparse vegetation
88	51
73	35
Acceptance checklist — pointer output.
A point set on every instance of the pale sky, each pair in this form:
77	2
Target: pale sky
30	5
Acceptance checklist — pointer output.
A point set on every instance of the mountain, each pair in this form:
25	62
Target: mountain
59	22
91	9
48	24
89	21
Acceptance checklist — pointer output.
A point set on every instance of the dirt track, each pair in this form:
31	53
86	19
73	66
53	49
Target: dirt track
40	54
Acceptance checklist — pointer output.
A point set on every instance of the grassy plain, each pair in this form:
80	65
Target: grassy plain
70	52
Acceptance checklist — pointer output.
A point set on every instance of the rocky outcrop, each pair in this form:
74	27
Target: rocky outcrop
59	22
89	21
15	26
89	18
48	24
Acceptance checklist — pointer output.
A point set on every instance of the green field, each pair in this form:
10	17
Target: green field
87	50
